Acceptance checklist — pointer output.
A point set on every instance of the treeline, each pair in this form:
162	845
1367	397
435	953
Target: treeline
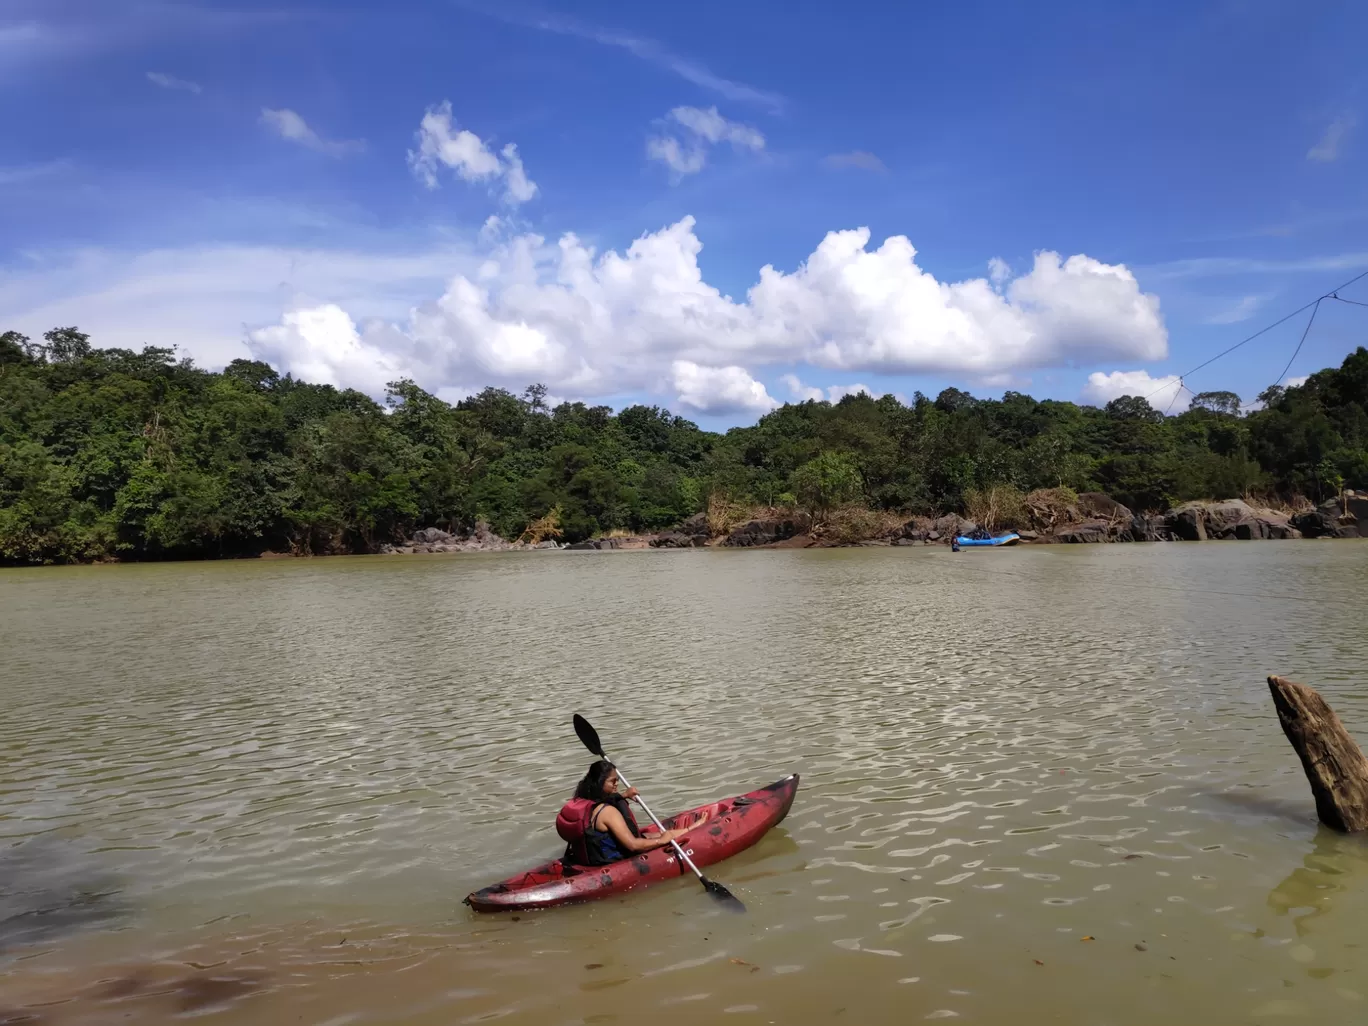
109	453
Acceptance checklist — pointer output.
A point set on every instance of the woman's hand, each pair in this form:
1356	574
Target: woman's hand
630	794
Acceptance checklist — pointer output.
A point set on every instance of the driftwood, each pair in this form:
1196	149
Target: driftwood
1334	764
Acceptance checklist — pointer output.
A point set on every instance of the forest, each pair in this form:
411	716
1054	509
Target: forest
114	454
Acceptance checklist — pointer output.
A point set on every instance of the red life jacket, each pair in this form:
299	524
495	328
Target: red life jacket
573	823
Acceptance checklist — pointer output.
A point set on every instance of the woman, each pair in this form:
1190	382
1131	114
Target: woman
599	826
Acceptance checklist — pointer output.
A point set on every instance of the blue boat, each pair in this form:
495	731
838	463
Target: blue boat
1010	538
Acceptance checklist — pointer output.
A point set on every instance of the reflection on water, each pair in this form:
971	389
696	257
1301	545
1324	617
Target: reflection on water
1039	785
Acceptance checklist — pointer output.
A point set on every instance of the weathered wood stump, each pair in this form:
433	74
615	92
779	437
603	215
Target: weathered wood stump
1334	764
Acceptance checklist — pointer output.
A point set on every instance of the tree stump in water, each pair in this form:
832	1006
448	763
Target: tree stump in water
1334	764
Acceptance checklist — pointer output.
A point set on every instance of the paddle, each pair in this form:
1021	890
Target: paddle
589	736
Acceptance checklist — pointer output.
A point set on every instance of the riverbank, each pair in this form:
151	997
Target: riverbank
1089	518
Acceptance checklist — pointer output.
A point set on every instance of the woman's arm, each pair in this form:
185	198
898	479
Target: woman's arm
611	820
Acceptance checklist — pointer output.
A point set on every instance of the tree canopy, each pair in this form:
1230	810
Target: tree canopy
110	453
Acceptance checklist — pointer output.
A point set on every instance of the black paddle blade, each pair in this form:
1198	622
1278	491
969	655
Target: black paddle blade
589	736
724	897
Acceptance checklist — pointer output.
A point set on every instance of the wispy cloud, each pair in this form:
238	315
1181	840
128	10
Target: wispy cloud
700	129
159	78
22	33
18	175
861	159
1328	148
289	125
1241	310
640	47
1213	267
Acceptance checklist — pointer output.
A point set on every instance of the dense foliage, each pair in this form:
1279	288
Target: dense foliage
111	453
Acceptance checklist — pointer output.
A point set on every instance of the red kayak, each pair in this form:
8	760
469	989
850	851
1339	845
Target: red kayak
736	824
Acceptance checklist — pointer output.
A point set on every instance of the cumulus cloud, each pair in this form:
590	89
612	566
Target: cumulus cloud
861	159
442	144
166	81
1328	149
691	131
719	390
832	394
600	324
1297	382
1162	393
289	125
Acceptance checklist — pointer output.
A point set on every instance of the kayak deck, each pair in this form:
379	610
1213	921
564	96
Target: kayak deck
736	824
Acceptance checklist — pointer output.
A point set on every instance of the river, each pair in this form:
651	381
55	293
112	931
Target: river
1039	785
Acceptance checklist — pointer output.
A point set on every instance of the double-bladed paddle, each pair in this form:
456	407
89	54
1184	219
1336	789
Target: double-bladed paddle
589	736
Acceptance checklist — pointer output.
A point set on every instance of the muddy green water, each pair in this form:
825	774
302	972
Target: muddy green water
1040	785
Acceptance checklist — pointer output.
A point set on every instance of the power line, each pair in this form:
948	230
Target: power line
1263	331
1355	302
1310	321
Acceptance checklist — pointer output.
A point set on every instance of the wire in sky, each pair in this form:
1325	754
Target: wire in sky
1263	331
1310	321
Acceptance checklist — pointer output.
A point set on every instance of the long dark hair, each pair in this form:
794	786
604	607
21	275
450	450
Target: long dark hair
591	786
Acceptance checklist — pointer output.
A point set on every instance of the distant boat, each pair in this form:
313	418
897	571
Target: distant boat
1011	538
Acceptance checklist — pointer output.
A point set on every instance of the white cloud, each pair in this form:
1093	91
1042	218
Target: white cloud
861	159
719	390
289	125
833	393
1328	149
800	392
1297	382
166	81
203	299
1241	310
442	144
591	324
513	308
690	133
1162	393
322	345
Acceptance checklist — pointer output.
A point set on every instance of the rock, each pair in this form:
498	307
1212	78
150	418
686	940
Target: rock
431	535
1102	506
1028	536
675	540
581	546
933	536
1088	532
765	532
1319	524
1335	766
952	525
1187	522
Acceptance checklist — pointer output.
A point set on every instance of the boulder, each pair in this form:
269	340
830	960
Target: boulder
765	532
674	540
582	546
432	536
1087	532
1187	522
1101	506
953	524
1028	536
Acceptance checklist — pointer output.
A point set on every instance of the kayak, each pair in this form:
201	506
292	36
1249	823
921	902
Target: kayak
736	824
1002	539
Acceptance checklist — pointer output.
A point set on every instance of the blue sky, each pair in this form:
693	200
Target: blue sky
314	185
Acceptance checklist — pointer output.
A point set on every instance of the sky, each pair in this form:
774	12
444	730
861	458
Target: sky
714	207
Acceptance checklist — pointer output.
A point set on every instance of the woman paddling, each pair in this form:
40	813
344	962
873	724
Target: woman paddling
598	824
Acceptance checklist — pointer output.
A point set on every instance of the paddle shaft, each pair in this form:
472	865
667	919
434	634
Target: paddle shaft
661	827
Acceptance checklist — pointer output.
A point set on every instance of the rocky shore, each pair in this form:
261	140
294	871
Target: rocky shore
1093	519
